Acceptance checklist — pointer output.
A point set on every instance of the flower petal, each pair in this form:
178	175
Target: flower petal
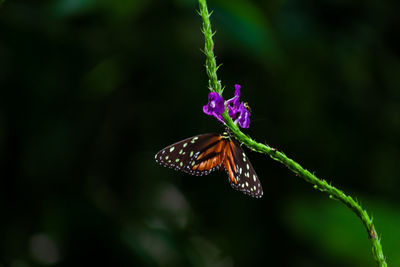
215	106
206	110
237	90
236	109
244	117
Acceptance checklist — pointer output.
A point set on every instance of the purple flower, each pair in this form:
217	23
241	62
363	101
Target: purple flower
215	106
244	117
235	100
236	109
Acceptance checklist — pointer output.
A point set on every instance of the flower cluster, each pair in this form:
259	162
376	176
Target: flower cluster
236	109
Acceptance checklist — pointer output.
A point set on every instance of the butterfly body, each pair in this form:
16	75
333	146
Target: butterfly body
202	154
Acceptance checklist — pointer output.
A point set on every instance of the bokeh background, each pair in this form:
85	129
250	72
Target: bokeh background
91	90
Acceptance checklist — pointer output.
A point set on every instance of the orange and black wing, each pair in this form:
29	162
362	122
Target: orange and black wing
197	155
241	173
202	154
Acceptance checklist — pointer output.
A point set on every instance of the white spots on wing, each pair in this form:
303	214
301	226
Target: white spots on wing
245	179
237	178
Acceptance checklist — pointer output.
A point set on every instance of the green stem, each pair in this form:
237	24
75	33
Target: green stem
320	184
211	65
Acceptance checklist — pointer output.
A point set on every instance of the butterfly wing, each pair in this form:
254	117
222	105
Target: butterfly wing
197	155
241	173
202	154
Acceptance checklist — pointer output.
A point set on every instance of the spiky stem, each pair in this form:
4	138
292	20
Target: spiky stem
320	184
211	64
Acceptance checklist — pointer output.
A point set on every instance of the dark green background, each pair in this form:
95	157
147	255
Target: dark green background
91	90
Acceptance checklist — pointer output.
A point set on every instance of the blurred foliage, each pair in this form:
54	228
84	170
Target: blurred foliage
91	90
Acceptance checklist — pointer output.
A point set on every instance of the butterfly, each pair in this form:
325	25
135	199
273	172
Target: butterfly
201	154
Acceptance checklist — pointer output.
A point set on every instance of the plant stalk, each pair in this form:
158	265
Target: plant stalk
320	184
